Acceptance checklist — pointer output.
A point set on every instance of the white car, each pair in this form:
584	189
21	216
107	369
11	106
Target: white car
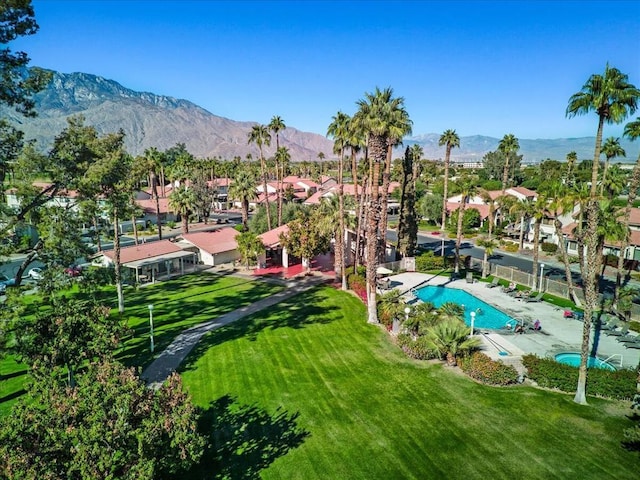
35	273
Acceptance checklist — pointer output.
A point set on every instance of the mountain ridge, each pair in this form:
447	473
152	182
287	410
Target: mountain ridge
161	121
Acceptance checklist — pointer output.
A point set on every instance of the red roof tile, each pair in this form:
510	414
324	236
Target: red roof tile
217	241
144	250
272	237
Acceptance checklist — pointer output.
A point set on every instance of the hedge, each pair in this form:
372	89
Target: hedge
417	349
546	372
491	372
358	284
549	247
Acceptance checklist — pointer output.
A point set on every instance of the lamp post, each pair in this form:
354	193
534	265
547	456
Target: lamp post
473	321
407	310
541	271
151	329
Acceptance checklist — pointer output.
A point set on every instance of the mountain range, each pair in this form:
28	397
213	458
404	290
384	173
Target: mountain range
151	120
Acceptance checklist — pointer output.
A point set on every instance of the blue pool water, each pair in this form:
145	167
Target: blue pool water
573	359
486	315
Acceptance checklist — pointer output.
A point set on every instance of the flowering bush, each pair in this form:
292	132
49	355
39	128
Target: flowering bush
485	370
358	284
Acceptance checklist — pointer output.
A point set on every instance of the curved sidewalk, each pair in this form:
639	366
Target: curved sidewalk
170	359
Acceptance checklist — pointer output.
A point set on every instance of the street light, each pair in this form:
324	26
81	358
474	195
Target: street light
151	325
473	321
541	270
407	310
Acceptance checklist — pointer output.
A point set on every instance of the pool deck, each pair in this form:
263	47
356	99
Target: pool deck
558	333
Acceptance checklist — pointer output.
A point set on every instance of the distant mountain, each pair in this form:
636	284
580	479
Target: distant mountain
473	148
159	121
150	120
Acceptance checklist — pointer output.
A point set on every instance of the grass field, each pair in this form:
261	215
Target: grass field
178	304
309	390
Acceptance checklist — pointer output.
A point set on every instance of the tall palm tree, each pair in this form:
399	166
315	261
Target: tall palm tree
182	201
632	132
613	98
523	209
561	203
378	114
467	188
407	222
282	158
611	149
356	141
486	197
572	159
259	135
276	125
243	189
339	130
154	162
509	146
450	140
538	213
489	245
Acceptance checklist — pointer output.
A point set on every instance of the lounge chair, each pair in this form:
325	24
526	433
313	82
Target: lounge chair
494	283
537	298
618	333
611	325
635	344
510	289
628	338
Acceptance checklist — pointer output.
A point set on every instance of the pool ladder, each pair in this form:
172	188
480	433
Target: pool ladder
613	356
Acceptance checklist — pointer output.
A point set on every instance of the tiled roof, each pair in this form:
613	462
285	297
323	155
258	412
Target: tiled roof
149	205
272	237
217	241
144	250
482	209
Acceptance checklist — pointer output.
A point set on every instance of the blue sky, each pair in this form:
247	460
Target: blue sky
480	67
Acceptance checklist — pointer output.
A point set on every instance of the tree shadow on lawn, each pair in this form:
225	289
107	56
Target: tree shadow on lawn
296	312
243	440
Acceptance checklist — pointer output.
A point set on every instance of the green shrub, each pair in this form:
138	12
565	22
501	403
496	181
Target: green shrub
548	373
634	326
549	247
171	224
417	349
510	247
429	261
480	367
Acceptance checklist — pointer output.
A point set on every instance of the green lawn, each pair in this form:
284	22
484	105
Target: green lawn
309	390
178	304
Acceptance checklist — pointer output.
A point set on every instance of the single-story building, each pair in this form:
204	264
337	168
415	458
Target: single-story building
152	260
214	247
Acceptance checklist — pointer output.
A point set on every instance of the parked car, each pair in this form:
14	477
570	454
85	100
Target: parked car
35	273
6	282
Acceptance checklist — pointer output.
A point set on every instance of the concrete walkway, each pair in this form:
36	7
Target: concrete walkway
170	359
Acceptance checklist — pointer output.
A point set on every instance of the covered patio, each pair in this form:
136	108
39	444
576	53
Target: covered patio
163	266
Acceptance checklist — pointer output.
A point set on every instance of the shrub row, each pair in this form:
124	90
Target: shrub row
485	370
358	284
548	373
549	247
428	261
417	349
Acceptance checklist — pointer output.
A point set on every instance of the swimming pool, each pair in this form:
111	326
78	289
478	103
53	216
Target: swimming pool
573	359
486	315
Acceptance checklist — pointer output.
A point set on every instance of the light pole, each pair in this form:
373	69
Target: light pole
473	321
151	330
541	271
407	310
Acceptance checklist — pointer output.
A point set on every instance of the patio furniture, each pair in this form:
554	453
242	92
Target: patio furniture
537	298
635	344
494	283
628	338
618	333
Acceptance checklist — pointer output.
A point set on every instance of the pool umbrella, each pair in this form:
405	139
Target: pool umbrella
383	271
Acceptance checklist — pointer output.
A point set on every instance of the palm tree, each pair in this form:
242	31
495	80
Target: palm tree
523	208
489	245
276	125
467	189
356	141
449	338
560	203
572	159
282	158
451	140
378	115
154	162
613	98
182	201
260	136
509	145
611	149
339	130
407	222
243	189
486	197
632	132
539	210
